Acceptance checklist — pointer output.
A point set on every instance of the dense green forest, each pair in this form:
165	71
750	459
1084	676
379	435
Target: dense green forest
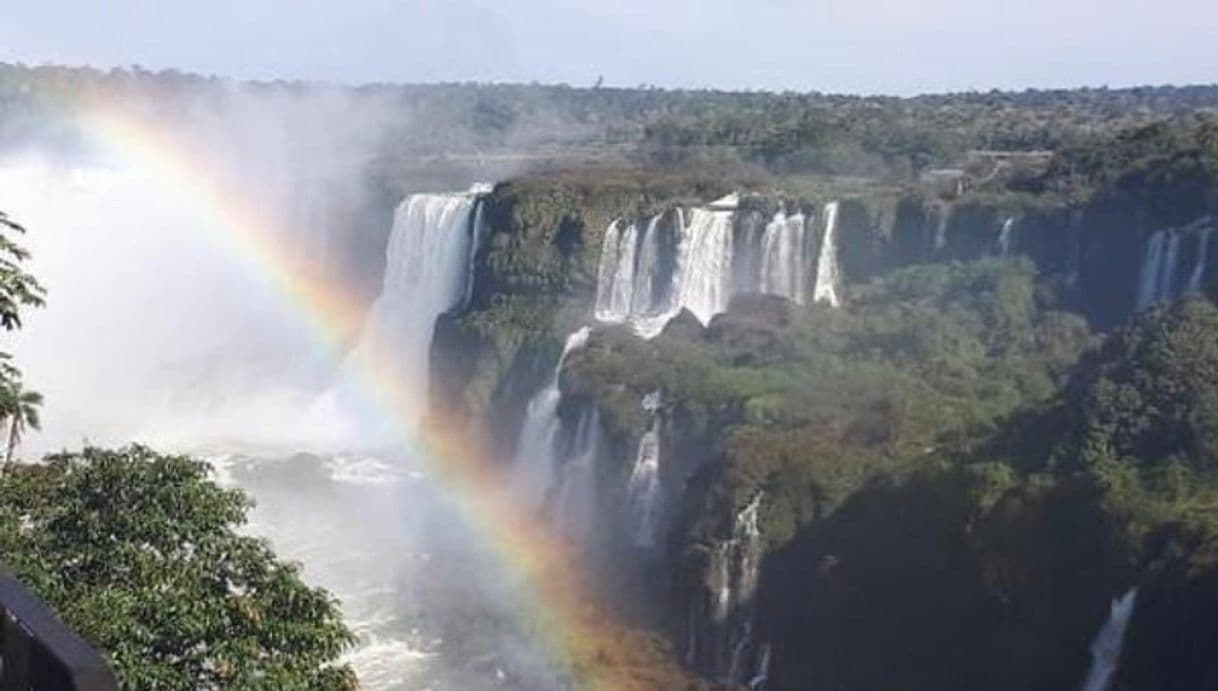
780	133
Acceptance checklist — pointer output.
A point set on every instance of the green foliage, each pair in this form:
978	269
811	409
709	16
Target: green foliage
808	404
1151	160
141	554
18	290
1139	422
1150	393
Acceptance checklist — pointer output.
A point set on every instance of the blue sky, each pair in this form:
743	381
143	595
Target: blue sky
854	46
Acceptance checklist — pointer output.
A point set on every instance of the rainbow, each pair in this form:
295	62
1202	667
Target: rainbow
600	655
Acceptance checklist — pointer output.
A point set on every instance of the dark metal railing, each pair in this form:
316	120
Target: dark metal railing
38	652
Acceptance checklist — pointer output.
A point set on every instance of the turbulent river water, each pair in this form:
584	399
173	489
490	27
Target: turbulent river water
415	587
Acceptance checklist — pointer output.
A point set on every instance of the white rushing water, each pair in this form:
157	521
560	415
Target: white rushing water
1196	278
645	494
632	284
735	568
535	465
635	286
1106	649
427	272
1164	275
575	511
705	268
784	260
1006	236
825	288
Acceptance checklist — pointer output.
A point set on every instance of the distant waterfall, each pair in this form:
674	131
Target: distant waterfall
712	261
729	649
637	276
825	288
1106	649
535	467
1002	246
784	260
706	267
1196	278
427	272
615	285
635	285
762	674
1163	276
644	491
1159	268
575	511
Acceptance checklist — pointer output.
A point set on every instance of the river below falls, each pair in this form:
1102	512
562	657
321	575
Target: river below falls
417	586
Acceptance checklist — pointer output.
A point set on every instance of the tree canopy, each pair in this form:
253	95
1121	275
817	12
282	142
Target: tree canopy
141	553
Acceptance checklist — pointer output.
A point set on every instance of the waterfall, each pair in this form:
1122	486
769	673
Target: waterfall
1005	236
733	574
783	260
615	280
634	285
706	266
747	253
631	286
576	509
478	235
1106	649
1159	280
711	264
762	674
553	470
644	491
535	466
606	273
826	286
1197	277
427	272
1152	267
648	293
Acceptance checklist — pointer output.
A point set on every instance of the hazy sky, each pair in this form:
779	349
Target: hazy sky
894	46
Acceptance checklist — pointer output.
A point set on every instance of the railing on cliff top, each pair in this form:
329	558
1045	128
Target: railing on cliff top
38	652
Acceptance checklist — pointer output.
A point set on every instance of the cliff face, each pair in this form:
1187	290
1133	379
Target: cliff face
792	492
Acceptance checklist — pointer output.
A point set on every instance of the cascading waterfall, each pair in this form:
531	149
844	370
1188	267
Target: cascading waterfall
647	295
576	508
733	654
826	286
762	673
783	257
535	467
1160	278
1005	237
634	285
614	304
1106	649
555	470
706	261
747	252
427	272
711	264
1196	279
644	491
478	235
